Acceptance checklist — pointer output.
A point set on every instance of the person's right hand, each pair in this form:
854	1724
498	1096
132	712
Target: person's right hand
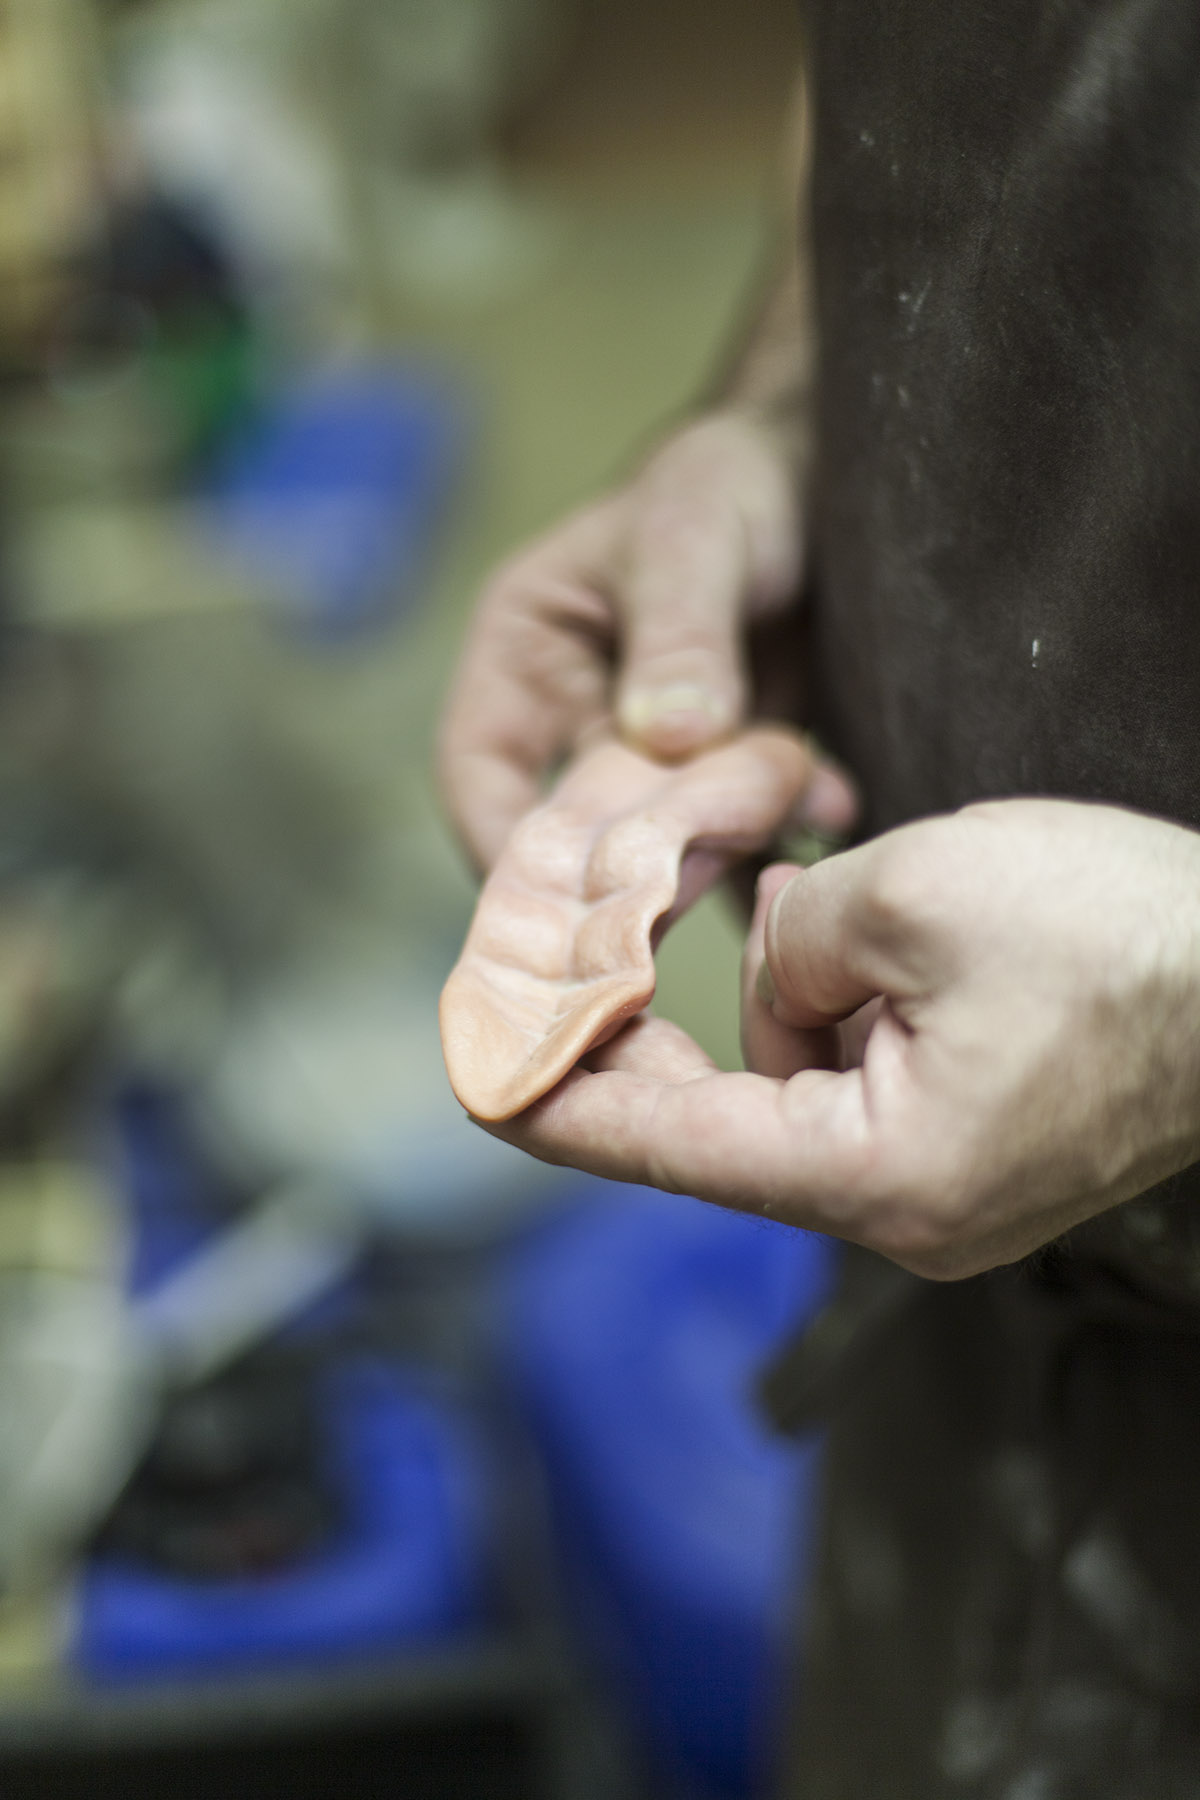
636	609
963	1039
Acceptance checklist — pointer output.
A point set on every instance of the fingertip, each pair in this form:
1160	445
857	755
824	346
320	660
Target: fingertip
830	803
773	879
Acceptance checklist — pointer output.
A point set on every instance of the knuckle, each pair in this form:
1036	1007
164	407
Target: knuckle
920	875
901	888
920	1241
927	1227
507	588
570	556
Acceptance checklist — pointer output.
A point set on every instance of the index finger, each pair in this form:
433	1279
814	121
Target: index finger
796	1150
533	678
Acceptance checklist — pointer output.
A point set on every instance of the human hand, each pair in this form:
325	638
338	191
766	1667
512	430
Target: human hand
637	606
971	1034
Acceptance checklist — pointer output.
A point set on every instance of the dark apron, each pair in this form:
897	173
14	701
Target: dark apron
1006	216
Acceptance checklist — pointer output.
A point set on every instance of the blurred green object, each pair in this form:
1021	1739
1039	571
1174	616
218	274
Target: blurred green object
203	365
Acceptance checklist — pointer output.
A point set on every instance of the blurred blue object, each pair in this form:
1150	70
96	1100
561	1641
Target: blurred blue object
173	1203
178	1208
636	1325
332	497
402	1562
404	1569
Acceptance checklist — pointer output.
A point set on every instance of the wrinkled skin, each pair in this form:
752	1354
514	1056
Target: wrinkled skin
560	953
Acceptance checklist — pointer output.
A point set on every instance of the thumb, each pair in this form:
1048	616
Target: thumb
683	680
821	962
712	533
770	1047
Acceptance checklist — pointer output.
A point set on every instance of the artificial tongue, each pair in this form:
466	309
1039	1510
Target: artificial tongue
561	949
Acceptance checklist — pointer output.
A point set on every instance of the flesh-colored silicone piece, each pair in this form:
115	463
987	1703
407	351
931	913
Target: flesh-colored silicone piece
561	949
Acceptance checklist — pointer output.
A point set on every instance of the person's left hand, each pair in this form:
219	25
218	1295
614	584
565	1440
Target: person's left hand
962	1039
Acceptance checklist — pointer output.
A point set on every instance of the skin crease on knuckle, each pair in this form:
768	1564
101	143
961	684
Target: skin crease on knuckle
935	1206
906	1191
921	877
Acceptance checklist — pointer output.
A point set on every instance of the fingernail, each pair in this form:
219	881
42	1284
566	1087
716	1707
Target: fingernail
827	803
764	987
675	707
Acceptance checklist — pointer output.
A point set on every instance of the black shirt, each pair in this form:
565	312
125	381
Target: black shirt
1006	222
1007	601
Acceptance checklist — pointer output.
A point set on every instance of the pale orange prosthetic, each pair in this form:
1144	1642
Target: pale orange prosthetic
561	950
